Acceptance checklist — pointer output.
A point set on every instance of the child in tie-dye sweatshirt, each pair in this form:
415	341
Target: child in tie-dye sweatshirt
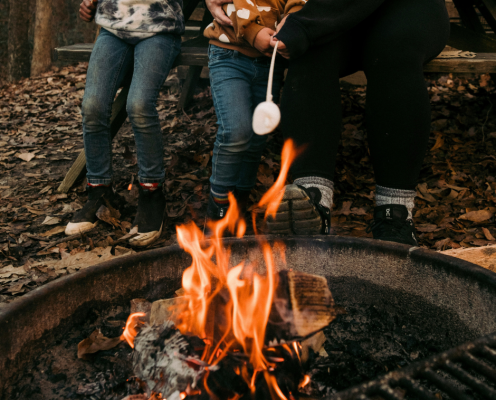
138	41
239	60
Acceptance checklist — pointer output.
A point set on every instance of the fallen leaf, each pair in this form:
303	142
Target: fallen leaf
50	221
25	156
477	216
483	256
439	142
424	193
345	208
426	227
35	210
54	231
96	342
8	271
105	214
16	288
487	234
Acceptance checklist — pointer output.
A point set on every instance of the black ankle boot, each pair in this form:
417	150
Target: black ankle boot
149	217
391	224
216	211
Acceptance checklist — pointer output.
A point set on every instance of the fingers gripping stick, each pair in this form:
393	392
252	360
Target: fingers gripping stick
267	115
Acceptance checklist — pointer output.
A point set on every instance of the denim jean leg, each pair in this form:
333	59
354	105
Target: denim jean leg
110	61
153	58
231	75
253	155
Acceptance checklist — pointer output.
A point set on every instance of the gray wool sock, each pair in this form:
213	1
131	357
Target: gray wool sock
384	195
325	186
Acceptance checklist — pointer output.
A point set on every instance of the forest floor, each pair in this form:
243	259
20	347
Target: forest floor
41	135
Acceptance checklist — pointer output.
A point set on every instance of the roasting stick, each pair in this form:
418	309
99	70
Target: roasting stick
267	115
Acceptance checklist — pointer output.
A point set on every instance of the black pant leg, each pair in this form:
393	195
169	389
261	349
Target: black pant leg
399	38
311	106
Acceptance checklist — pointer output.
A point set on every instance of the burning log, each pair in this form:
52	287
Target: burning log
171	364
303	305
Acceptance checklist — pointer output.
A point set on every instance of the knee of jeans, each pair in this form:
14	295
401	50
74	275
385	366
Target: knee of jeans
237	140
139	108
92	108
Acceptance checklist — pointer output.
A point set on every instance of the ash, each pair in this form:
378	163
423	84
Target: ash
57	373
165	360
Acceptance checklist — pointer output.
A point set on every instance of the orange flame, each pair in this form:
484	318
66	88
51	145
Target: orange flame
304	382
251	295
272	198
251	308
130	331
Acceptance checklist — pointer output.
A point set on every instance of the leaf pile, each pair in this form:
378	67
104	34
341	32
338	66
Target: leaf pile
455	202
41	136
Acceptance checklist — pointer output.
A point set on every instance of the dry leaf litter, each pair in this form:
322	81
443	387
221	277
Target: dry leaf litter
41	136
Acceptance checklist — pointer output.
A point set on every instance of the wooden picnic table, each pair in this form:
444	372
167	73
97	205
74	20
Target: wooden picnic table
470	36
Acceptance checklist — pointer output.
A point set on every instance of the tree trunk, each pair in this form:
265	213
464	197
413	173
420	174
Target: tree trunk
18	42
42	48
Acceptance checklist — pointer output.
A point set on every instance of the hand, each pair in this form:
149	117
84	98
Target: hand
281	47
215	8
87	10
262	41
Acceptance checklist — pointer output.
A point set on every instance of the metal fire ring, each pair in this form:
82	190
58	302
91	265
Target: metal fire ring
450	285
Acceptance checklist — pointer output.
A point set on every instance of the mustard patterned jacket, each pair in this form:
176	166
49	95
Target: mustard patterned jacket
249	17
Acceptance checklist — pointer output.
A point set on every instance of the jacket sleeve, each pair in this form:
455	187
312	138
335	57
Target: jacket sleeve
321	21
248	20
293	6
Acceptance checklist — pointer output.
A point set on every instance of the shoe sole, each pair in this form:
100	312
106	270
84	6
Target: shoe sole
296	215
74	228
144	239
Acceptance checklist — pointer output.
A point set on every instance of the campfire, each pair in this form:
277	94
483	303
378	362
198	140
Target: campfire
236	331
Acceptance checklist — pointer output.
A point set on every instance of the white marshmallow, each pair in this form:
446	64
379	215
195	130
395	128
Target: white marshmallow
266	118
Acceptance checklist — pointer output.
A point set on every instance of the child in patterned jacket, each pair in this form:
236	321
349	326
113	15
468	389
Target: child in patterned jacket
139	39
239	61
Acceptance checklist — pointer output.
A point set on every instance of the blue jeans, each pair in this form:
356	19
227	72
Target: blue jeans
111	61
238	84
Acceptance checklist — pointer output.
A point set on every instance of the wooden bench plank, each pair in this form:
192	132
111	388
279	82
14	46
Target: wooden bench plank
195	53
484	63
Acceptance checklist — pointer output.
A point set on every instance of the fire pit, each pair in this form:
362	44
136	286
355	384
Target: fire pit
398	299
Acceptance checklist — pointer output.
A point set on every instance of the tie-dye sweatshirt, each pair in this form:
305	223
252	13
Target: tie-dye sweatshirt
139	19
249	17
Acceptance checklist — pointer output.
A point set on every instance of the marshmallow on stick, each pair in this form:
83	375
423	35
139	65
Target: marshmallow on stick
267	115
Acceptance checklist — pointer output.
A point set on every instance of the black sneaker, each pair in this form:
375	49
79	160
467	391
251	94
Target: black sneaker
391	223
149	217
86	219
300	213
216	211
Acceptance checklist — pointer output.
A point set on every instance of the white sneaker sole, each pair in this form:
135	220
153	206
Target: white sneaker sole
73	228
144	239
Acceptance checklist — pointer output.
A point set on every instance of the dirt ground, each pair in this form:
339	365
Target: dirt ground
41	136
